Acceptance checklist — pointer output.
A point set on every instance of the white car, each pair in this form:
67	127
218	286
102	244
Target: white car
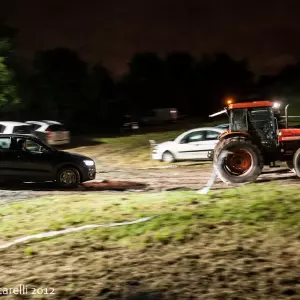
195	144
224	126
8	127
51	132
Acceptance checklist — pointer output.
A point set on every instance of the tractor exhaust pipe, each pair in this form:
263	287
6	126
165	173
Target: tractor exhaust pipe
218	113
286	116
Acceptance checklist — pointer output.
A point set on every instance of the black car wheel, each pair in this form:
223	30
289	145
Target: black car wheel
68	177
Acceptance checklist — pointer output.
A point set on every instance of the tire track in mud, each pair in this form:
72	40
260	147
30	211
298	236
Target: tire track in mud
153	180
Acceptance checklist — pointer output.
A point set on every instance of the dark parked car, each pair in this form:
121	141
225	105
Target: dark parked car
129	125
24	158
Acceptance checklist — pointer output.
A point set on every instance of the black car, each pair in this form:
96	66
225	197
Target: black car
25	158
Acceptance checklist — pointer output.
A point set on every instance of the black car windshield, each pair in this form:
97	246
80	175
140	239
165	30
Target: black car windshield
49	148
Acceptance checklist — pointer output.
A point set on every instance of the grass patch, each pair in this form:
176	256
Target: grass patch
179	212
224	245
135	150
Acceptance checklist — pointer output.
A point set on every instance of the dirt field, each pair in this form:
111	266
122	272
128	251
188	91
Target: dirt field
190	176
194	176
211	267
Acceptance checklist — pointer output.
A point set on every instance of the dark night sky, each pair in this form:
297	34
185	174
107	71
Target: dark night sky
266	31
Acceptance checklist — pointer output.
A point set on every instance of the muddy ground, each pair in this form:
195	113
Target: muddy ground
192	176
219	264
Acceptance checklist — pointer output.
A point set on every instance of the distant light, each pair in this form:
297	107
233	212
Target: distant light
276	105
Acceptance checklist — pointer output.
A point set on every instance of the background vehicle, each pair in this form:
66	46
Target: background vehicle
160	116
25	158
224	126
51	132
129	125
254	140
194	144
7	127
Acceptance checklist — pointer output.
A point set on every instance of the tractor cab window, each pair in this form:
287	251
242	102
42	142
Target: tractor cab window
262	121
238	120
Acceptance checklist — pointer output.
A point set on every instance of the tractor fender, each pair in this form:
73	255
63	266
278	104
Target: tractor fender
227	135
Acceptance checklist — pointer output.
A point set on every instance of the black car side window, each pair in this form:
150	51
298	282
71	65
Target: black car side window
23	144
5	142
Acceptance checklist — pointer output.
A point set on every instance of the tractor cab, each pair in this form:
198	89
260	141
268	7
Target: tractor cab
257	120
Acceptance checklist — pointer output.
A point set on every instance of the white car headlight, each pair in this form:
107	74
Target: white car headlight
89	163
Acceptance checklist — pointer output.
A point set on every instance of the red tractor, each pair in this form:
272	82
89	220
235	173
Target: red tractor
256	137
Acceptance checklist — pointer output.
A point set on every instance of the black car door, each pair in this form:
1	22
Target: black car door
34	163
7	166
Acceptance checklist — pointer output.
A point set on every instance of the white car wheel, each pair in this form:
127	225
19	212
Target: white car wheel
168	157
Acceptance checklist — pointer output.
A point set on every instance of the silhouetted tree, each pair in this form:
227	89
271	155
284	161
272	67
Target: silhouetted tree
9	100
144	80
145	66
7	39
179	66
179	80
284	86
105	110
61	79
219	76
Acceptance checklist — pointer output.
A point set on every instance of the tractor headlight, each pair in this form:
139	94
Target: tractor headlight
276	105
89	163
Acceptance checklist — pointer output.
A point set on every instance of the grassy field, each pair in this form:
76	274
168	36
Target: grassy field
240	243
134	150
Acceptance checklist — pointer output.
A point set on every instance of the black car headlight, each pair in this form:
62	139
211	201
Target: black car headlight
89	163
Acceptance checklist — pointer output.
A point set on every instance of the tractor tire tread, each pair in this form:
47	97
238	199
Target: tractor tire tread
222	145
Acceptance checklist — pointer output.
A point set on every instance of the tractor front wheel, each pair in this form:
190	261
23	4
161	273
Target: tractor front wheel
243	163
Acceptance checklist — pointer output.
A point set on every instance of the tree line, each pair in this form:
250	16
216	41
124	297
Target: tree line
59	85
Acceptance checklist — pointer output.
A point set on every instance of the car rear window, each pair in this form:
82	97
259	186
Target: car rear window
56	127
5	142
22	129
34	126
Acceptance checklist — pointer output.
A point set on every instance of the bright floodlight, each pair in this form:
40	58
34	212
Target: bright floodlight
276	105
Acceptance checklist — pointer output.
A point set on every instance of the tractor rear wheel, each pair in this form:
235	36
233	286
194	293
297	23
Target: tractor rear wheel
296	162
243	163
